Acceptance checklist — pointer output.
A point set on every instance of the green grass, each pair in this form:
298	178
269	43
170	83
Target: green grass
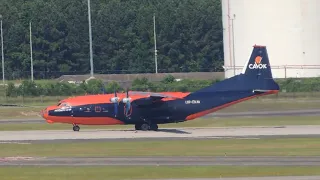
204	122
32	101
210	147
273	105
20	112
147	172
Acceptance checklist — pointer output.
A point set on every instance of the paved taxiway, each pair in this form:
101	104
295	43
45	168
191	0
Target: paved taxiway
222	132
161	161
304	112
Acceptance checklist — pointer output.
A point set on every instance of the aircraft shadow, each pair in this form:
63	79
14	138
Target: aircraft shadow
176	131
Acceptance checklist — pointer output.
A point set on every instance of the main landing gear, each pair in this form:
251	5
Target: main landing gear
146	127
76	127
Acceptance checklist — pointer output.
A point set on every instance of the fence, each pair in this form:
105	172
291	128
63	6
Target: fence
56	74
282	71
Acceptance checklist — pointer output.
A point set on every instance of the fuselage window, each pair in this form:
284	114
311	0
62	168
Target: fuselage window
97	109
105	109
86	109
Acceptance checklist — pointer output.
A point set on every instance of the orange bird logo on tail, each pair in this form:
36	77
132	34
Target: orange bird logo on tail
258	60
257	64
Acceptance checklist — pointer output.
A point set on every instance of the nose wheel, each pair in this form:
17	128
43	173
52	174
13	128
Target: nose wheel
76	128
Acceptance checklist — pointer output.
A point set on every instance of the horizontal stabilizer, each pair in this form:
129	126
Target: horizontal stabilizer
260	90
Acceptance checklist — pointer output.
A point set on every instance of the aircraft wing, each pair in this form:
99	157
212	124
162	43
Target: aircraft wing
149	97
152	95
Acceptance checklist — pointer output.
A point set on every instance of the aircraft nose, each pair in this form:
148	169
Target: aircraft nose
45	114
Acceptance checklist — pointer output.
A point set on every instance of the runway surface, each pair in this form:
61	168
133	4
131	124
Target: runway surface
305	112
223	132
161	161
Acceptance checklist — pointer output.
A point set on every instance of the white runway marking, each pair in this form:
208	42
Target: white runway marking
12	142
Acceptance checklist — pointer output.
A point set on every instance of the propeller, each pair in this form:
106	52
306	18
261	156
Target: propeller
127	102
115	101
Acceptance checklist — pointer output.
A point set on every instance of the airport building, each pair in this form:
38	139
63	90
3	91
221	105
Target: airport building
289	28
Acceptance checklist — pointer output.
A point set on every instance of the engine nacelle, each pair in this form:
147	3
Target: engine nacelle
126	100
114	99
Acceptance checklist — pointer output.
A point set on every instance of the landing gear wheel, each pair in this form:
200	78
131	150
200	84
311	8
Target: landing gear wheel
76	128
154	127
138	126
145	127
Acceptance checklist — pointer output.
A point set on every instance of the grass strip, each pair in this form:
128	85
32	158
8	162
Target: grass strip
20	112
202	122
208	147
147	172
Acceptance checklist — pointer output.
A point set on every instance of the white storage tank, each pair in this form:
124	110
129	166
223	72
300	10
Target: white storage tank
289	28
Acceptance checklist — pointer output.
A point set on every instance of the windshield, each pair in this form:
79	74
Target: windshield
64	105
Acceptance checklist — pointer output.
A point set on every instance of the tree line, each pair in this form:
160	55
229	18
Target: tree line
189	36
169	83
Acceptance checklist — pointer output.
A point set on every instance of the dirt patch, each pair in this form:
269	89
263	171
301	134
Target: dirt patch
30	113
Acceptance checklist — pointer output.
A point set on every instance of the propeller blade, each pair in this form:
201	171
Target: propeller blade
115	104
115	109
103	89
128	104
115	91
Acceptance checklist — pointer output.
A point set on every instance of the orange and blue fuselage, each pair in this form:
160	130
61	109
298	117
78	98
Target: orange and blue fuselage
255	80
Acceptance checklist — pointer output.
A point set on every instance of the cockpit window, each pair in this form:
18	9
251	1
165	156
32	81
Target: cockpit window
64	105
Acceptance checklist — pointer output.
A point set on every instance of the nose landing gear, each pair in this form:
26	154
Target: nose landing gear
76	127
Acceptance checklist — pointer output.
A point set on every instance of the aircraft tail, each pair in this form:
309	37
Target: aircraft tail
256	76
258	64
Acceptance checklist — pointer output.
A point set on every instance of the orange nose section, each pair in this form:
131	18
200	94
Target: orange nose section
45	114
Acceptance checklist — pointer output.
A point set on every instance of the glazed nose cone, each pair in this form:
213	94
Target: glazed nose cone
45	113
